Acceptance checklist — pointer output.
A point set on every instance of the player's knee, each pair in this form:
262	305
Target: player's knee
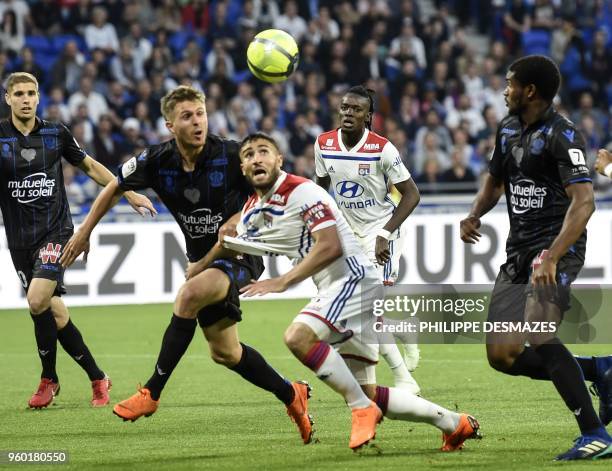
38	303
500	361
225	356
298	339
187	301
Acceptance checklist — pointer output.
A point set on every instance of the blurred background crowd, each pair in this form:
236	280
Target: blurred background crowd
437	69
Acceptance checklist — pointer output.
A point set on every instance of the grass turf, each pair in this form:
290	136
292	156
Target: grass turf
210	418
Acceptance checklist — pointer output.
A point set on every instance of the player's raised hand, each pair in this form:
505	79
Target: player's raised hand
227	229
604	158
77	245
140	203
259	288
381	250
469	230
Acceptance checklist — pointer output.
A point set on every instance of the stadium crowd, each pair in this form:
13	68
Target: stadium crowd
103	67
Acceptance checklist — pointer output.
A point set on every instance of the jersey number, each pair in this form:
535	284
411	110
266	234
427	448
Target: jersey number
577	156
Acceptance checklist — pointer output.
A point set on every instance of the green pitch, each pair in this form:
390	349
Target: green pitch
210	418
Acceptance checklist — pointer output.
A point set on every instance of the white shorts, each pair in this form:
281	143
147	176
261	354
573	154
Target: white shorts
389	272
341	313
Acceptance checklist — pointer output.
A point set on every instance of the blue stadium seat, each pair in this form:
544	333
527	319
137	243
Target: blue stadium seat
241	76
45	60
178	41
59	42
38	44
536	42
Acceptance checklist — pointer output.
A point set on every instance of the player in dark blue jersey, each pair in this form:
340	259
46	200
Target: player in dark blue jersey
37	222
198	178
539	162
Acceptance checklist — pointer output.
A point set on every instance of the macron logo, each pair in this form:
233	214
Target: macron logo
50	252
371	146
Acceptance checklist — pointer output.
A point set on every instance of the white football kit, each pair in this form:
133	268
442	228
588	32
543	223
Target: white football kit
359	179
281	223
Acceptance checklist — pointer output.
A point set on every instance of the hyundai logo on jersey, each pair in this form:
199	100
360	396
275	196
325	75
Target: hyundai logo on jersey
349	189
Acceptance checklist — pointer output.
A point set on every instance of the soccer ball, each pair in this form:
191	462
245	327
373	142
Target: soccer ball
273	55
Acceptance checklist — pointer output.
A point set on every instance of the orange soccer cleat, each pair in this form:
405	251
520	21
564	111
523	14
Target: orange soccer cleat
468	428
364	425
136	405
100	389
298	410
44	395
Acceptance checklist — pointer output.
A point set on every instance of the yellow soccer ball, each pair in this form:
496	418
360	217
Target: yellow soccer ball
273	55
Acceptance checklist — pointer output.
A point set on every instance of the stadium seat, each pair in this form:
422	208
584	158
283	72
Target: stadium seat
59	42
178	41
536	42
38	44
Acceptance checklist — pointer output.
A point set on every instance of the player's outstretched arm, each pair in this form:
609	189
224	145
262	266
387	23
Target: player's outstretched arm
79	242
409	200
216	252
485	200
326	249
102	176
603	164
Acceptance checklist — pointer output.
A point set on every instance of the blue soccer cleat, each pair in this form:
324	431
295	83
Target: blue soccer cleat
602	387
588	447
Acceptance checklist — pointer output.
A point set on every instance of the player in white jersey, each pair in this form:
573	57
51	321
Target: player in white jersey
292	216
359	165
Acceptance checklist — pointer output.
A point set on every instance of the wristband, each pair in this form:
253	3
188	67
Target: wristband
385	234
608	170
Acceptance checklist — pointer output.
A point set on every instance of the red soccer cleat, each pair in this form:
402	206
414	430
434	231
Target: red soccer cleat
47	390
136	406
468	428
100	389
298	410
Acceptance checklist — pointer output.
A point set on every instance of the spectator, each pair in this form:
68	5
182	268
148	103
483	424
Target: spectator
290	22
431	150
428	180
248	106
266	11
79	17
132	142
142	48
414	43
459	177
493	95
105	148
543	15
433	124
195	15
599	68
516	22
27	64
219	53
465	112
12	35
100	34
125	68
169	17
58	99
68	68
95	102
46	18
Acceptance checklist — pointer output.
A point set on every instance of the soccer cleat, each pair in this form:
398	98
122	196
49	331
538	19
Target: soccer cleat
46	392
363	427
602	387
588	447
136	405
412	356
468	428
100	389
298	410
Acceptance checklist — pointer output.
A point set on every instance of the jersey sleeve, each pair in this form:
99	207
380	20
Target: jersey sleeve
320	168
567	147
392	165
72	151
315	206
134	174
496	164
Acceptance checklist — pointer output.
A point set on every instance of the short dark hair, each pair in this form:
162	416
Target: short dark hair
540	71
259	135
361	90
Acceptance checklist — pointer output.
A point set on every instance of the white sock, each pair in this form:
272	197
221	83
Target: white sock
390	352
332	370
403	405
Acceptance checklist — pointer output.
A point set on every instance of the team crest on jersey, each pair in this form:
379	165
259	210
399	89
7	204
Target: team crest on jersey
364	169
50	142
329	142
50	253
536	146
28	154
6	151
215	179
